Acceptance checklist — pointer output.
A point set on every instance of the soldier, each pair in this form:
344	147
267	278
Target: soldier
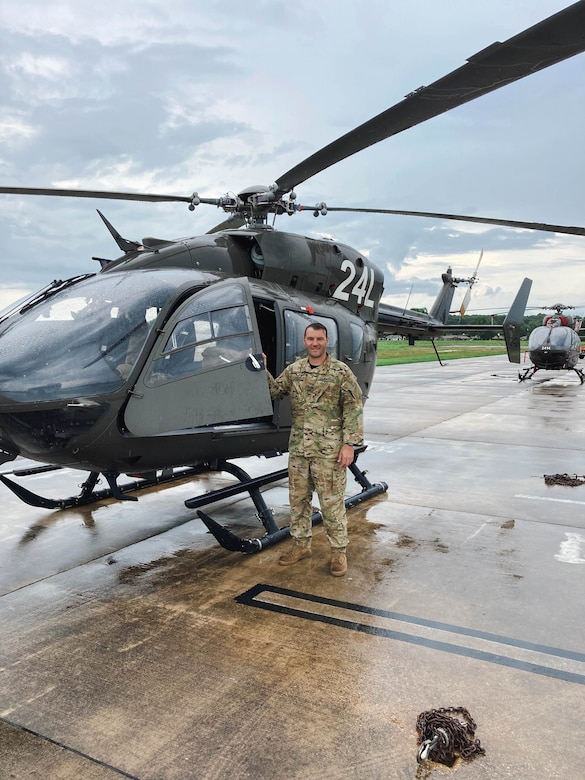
327	423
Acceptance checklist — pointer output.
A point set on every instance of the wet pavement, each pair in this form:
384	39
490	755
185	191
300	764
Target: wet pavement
132	645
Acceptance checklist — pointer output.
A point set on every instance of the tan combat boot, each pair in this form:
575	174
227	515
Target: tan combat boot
296	553
338	563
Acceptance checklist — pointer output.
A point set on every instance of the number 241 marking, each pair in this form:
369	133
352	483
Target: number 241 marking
362	288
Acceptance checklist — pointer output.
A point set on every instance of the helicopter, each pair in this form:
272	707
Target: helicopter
555	345
152	367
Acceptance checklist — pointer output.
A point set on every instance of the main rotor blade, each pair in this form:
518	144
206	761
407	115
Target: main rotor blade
546	227
66	193
555	39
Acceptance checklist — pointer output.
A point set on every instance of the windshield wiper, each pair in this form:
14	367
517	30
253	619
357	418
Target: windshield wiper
56	286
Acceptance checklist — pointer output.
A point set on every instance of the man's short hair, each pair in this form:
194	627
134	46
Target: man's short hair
316	326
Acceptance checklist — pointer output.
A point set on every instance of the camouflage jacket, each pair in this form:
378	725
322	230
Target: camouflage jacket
326	405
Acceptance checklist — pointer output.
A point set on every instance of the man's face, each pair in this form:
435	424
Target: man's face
315	343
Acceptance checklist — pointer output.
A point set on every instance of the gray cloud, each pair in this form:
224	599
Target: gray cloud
180	96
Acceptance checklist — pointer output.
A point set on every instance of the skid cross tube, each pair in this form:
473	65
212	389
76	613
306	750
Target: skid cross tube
234	543
247	483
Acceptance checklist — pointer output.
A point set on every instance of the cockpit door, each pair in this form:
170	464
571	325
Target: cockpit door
205	368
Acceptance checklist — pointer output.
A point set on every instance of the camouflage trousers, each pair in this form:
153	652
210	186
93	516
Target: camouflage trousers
328	479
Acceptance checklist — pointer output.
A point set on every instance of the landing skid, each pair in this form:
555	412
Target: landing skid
249	484
226	538
528	373
88	494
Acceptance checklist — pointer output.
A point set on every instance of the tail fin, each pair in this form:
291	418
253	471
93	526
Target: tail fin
513	321
440	309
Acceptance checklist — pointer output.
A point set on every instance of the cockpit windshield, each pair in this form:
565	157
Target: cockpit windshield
84	340
559	338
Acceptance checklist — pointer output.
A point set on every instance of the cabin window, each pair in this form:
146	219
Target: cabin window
357	341
214	329
295	323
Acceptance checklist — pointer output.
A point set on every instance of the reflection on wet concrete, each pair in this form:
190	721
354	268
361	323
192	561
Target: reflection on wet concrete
127	650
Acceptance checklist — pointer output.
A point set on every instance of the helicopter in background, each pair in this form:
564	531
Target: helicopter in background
153	365
555	345
390	317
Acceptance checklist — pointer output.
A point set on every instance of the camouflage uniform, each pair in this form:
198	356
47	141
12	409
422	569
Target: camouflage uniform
327	412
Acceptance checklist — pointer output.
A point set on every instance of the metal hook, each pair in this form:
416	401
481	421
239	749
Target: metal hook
430	744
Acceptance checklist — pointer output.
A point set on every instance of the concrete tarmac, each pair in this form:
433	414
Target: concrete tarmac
132	645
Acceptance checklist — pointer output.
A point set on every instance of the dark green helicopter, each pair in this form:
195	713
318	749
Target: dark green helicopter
152	367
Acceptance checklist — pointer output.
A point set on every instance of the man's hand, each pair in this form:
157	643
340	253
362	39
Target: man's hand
345	457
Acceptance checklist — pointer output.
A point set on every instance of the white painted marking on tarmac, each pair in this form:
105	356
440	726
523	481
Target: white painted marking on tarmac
479	530
544	498
570	550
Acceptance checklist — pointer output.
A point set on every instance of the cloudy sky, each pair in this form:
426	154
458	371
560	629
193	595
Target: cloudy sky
172	96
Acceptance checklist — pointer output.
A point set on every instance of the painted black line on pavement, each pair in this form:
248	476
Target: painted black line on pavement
250	598
63	746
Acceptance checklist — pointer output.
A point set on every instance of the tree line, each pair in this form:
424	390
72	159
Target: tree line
529	322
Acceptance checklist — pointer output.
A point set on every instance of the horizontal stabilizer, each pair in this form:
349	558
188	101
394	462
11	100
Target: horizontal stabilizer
513	321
